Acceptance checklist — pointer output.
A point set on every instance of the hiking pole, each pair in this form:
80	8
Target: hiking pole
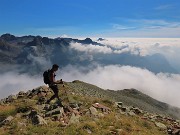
66	94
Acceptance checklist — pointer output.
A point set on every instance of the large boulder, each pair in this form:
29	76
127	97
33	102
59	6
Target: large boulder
36	118
11	98
160	125
101	107
2	101
176	132
56	111
39	91
137	110
21	94
93	111
7	120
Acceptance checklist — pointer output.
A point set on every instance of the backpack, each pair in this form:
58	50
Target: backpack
46	76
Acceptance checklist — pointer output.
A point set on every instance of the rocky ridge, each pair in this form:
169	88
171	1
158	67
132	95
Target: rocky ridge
83	113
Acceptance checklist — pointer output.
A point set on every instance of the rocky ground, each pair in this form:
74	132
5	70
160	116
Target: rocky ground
27	113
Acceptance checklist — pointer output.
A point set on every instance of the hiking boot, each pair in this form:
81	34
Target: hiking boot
59	103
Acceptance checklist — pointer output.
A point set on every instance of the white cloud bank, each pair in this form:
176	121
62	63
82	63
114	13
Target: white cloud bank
12	83
146	46
164	87
91	48
94	49
168	47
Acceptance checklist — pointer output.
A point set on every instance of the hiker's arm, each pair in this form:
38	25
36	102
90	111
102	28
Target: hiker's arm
52	79
60	81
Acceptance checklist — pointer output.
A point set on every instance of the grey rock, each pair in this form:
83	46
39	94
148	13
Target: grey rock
88	131
137	111
93	111
36	118
40	120
118	104
160	125
2	102
21	94
7	120
176	132
74	105
41	100
58	110
47	107
40	108
169	131
28	92
11	98
122	112
124	109
53	106
74	119
131	113
102	108
33	113
56	117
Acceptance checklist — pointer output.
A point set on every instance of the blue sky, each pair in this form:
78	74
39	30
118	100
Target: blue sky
91	18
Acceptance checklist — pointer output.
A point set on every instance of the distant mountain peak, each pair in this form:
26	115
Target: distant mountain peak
37	41
8	37
101	39
88	41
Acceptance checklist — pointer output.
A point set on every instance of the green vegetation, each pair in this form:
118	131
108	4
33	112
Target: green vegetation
6	111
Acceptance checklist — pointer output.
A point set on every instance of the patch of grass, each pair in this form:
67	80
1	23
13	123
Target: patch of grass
3	131
107	121
147	125
23	106
5	111
50	129
108	102
128	127
88	125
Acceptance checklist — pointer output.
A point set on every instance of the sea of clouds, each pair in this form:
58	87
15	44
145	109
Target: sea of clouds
168	47
162	86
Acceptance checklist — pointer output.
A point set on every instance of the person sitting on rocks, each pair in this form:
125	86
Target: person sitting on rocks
53	84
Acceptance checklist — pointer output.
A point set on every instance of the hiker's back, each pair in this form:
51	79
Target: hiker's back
46	75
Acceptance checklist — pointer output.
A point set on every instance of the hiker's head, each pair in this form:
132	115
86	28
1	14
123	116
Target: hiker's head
55	67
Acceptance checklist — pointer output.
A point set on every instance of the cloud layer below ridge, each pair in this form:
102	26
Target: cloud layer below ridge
164	87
